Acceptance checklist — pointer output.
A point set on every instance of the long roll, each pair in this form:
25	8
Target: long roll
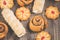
14	23
38	6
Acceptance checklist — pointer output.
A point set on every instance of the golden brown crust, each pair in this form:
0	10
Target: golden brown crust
24	2
3	30
20	3
6	4
37	23
23	13
27	1
52	12
43	36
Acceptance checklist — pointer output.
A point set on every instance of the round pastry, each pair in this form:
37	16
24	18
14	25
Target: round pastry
24	2
52	12
43	36
20	2
27	1
3	30
38	23
23	13
6	3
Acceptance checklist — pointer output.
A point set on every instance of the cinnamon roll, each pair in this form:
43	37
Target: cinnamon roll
3	30
24	2
37	23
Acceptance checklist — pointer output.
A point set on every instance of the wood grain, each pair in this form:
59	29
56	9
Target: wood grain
53	27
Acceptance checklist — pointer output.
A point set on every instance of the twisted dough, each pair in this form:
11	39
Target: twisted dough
38	23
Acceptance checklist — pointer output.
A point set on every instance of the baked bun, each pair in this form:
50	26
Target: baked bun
3	30
37	23
24	2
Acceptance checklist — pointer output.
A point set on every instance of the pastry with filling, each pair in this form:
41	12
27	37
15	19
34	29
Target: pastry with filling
14	23
52	12
3	30
6	4
24	2
43	36
38	23
23	13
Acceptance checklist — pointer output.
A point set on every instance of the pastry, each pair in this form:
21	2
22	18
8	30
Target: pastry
24	2
14	23
38	6
38	23
3	30
52	12
6	4
23	13
27	1
43	36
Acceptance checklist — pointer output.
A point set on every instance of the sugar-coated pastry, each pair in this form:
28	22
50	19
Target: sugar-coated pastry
52	12
14	23
23	13
38	23
3	30
6	4
43	36
38	6
24	2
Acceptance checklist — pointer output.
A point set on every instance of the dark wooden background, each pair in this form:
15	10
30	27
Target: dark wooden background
53	25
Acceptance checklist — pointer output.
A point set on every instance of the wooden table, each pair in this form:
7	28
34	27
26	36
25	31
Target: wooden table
53	25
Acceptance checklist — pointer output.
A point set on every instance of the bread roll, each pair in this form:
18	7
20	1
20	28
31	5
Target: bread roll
14	23
38	6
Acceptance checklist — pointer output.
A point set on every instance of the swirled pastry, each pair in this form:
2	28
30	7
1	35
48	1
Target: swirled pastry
23	13
6	3
3	30
52	12
14	23
24	2
43	36
37	23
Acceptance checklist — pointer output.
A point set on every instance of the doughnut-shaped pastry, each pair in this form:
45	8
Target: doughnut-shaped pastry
37	23
3	30
43	36
23	13
24	2
52	12
6	4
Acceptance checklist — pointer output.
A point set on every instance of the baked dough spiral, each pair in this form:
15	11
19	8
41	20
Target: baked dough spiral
3	30
37	24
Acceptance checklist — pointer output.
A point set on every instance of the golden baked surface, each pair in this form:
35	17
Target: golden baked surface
6	3
37	23
24	2
52	12
3	30
43	36
23	13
